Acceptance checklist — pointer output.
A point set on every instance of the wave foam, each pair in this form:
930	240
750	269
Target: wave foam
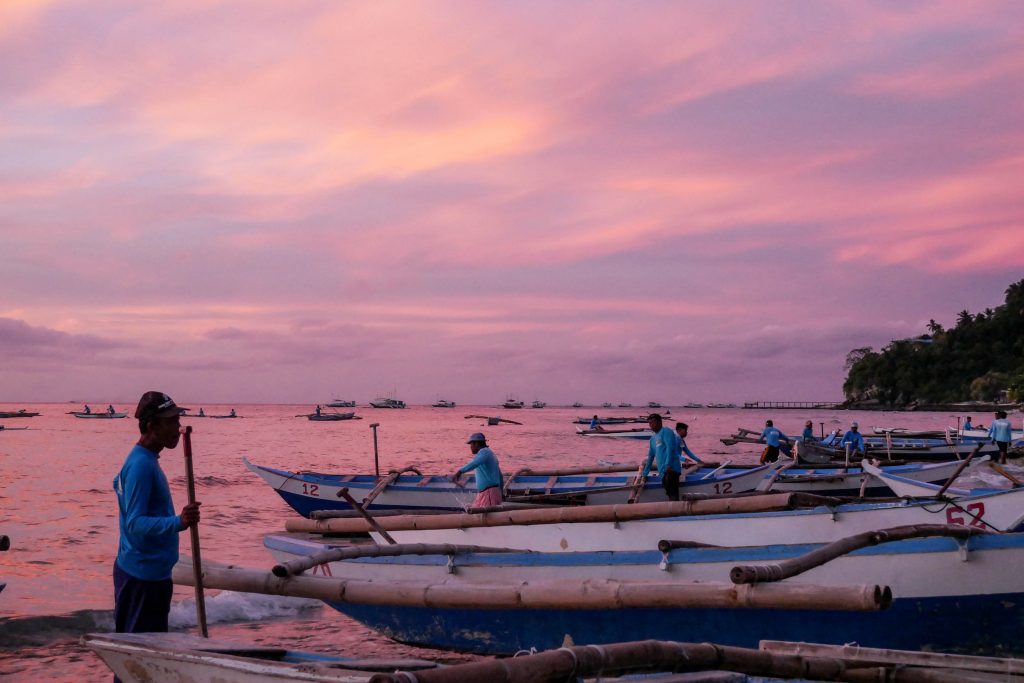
228	606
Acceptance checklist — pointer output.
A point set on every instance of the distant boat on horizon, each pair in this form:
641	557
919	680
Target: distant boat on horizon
340	403
442	403
387	402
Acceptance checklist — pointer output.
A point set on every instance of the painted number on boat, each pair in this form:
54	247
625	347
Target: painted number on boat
723	487
974	513
310	490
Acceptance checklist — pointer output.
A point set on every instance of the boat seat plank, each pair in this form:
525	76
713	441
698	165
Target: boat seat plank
424	480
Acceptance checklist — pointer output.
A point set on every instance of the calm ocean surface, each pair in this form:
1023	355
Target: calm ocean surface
58	507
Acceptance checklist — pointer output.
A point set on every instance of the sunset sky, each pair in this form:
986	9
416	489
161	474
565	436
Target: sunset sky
284	201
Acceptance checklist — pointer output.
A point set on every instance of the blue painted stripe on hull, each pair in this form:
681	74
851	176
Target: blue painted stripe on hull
304	505
950	624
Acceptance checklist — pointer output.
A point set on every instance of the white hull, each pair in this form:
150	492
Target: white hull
1003	511
916	568
440	493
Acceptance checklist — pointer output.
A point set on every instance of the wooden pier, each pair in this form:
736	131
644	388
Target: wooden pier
793	405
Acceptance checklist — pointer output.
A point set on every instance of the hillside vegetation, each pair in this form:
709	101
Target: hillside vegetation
977	359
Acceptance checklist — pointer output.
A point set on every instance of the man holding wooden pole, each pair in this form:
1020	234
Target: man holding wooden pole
148	546
488	473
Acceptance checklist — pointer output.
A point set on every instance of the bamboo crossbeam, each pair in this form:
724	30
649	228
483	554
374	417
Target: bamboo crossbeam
750	574
999	470
614	659
547	594
571	471
301	564
960	468
1001	665
377	514
594	513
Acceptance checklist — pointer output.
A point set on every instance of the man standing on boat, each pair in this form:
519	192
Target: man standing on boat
664	448
855	439
808	433
149	529
773	439
682	429
1001	432
488	474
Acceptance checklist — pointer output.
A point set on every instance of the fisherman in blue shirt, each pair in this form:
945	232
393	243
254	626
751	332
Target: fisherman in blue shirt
148	546
664	448
488	473
1001	433
682	429
773	438
808	433
855	439
967	424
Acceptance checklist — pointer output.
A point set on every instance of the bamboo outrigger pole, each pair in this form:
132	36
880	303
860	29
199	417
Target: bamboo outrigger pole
578	594
197	563
747	574
343	493
592	513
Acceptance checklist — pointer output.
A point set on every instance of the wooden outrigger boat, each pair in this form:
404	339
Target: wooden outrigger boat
182	657
611	420
920	586
307	492
329	417
640	434
101	415
740	521
493	421
17	413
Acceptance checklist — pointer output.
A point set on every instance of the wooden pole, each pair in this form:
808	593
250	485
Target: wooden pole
618	659
999	665
197	562
376	456
343	493
590	513
960	468
830	551
994	465
565	594
301	564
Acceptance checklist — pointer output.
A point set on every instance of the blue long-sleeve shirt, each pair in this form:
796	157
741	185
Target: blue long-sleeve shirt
148	547
1000	430
683	448
485	463
772	436
665	449
856	441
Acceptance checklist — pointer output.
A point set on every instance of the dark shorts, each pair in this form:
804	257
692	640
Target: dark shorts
1003	447
670	481
771	454
140	606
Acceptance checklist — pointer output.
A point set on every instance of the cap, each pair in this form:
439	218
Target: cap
853	426
156	404
654	416
476	436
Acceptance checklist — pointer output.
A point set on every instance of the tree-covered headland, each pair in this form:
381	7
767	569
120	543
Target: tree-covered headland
979	359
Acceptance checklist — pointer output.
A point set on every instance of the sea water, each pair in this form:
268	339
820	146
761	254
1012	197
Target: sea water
58	507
